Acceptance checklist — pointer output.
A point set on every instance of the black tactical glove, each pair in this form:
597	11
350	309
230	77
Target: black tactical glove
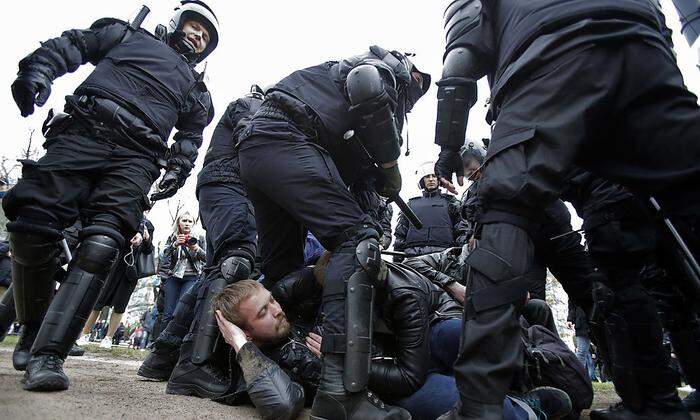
449	162
29	89
390	182
168	185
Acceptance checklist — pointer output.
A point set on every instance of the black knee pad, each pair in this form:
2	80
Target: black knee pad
97	254
235	268
31	249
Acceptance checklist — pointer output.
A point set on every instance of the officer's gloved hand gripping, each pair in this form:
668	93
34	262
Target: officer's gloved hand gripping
169	184
29	89
390	182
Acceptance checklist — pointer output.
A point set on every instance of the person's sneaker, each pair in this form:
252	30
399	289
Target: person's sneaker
692	401
547	402
83	340
361	405
106	343
76	350
21	355
45	373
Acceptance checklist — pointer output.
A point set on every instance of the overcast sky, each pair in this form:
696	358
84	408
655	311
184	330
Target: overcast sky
261	42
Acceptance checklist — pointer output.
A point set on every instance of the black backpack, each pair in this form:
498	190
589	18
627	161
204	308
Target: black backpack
550	362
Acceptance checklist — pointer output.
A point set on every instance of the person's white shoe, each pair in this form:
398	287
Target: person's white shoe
83	340
106	343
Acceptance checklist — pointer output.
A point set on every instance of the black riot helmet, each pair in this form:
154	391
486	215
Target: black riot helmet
418	83
408	86
199	11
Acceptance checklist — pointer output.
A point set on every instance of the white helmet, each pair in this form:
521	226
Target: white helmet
198	10
425	169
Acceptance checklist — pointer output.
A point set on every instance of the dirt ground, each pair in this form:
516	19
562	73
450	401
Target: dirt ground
105	386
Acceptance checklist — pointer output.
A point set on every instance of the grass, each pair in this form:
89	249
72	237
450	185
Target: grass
94	350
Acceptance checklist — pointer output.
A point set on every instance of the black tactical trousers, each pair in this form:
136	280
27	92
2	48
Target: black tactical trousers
80	175
294	185
227	216
620	111
559	249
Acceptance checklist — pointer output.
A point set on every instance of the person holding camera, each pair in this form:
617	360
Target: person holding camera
183	260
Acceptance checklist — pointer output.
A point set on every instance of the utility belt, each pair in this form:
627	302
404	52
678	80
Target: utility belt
281	106
108	121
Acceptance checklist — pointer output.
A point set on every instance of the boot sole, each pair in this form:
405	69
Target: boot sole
191	390
153	374
47	386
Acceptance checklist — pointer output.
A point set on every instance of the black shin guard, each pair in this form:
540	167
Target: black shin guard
7	312
232	269
207	330
34	265
75	299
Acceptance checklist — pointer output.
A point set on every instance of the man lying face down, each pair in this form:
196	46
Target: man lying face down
278	347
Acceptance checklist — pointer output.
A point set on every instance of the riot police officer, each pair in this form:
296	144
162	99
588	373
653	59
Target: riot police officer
227	216
297	159
102	157
567	79
439	213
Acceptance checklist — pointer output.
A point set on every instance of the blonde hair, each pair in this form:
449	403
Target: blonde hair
229	299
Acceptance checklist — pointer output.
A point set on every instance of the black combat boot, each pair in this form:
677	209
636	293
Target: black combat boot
22	353
204	380
660	400
161	360
692	401
45	373
76	350
69	310
332	402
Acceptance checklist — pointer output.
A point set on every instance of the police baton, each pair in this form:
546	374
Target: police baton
140	17
689	263
410	215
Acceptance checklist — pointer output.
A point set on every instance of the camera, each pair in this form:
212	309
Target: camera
190	240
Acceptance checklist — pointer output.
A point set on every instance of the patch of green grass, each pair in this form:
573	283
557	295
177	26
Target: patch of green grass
116	352
10	341
93	349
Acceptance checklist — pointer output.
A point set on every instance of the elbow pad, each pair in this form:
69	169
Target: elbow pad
373	107
456	95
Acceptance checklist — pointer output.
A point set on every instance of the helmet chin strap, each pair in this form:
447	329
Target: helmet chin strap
179	42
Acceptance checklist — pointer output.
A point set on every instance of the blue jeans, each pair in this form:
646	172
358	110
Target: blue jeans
174	288
583	353
439	392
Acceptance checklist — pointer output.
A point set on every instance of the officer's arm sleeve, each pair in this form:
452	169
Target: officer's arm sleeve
199	113
270	389
469	55
403	375
400	232
74	47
